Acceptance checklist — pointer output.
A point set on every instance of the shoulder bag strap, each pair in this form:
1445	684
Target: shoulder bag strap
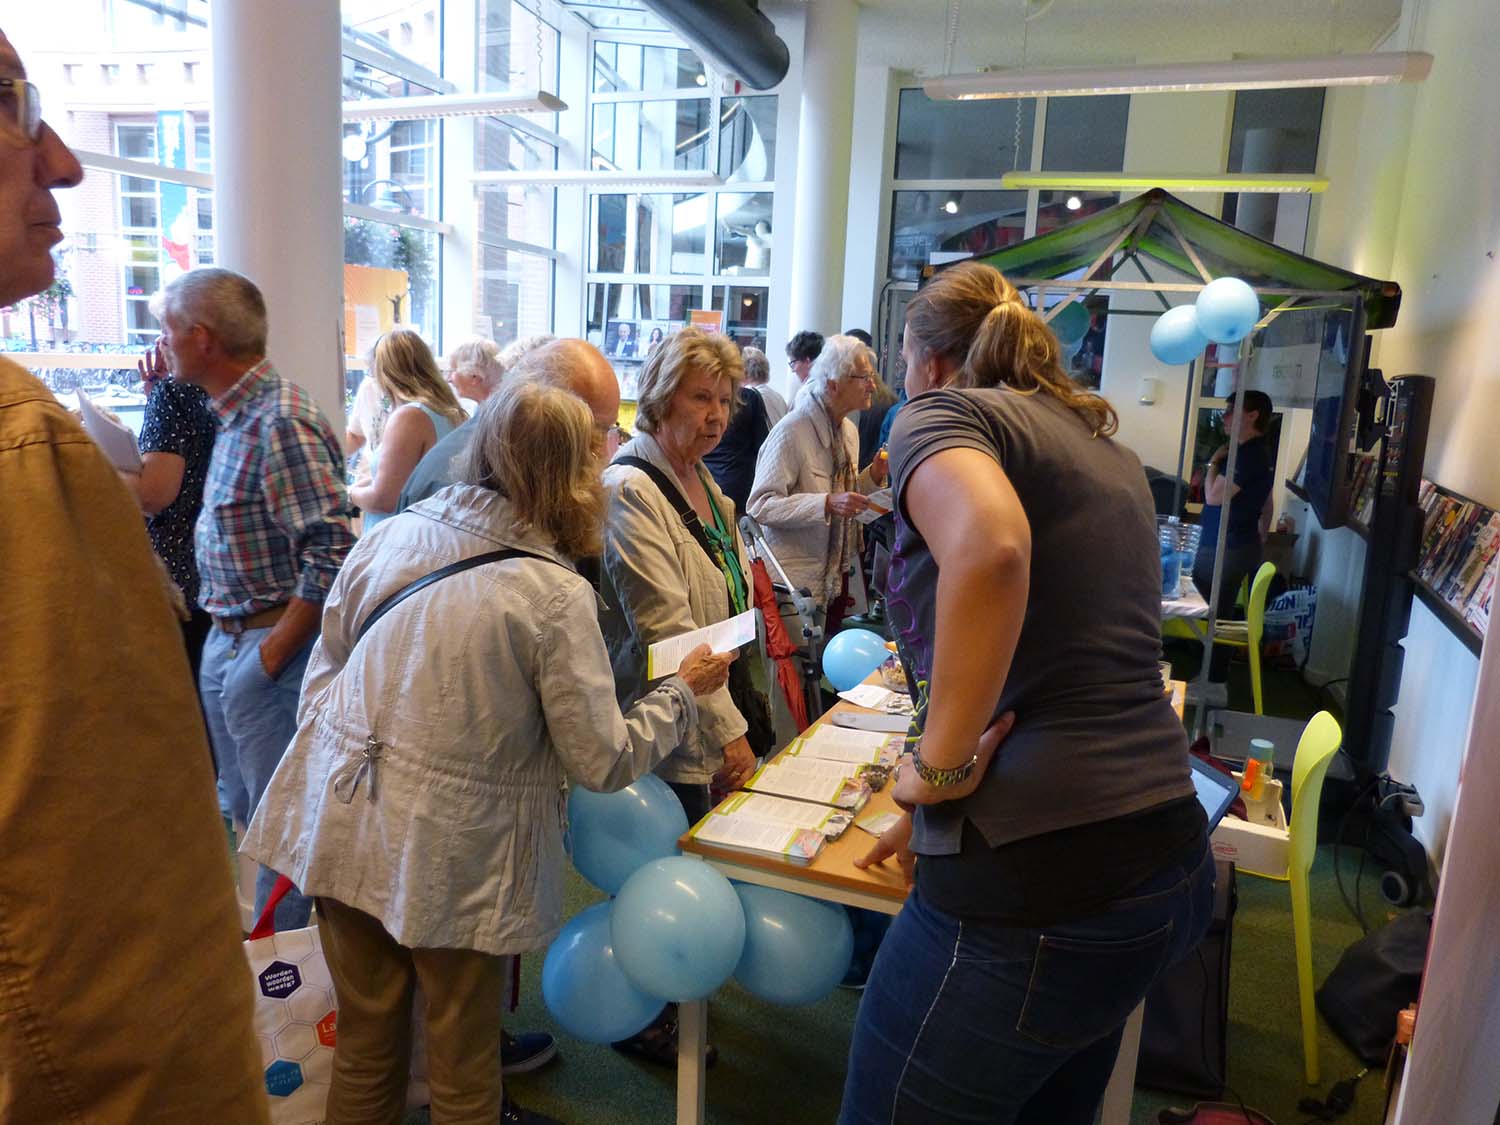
438	575
669	489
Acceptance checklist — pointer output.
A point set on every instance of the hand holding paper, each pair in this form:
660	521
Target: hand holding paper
114	438
663	657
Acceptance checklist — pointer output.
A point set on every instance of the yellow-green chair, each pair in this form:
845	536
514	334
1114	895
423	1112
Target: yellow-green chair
1320	741
1246	634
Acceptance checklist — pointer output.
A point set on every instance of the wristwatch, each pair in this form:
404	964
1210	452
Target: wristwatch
939	778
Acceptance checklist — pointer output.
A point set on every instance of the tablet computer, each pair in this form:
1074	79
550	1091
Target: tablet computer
1216	791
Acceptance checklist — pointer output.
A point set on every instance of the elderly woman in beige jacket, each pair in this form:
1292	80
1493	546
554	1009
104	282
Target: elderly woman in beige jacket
808	487
660	576
423	798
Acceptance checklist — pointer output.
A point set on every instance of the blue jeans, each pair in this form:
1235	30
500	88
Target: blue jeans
969	1021
251	721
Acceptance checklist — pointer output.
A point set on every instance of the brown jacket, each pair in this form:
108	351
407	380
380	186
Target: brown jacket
124	992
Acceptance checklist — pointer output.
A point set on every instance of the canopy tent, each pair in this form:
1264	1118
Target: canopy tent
1157	227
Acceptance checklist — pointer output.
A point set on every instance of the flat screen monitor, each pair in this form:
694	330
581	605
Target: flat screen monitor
1341	368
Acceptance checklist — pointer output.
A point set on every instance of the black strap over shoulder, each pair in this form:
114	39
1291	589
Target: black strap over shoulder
438	575
669	489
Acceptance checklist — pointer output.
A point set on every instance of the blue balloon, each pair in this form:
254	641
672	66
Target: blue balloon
613	834
797	949
1071	324
677	928
583	987
851	656
1176	337
1227	310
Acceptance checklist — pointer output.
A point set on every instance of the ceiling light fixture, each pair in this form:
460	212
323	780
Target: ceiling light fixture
951	207
1073	203
451	105
599	177
1377	68
1173	181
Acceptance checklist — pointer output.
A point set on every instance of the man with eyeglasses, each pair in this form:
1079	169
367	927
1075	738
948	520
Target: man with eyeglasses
124	983
575	365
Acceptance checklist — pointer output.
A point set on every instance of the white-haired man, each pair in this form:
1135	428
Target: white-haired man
273	532
123	989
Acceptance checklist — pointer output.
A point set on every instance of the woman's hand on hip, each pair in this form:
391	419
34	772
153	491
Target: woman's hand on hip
910	790
845	503
894	841
739	764
705	671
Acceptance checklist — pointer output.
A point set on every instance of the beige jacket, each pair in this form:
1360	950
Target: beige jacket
124	992
485	691
793	476
663	584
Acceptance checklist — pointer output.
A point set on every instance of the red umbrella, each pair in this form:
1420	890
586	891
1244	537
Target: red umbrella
779	646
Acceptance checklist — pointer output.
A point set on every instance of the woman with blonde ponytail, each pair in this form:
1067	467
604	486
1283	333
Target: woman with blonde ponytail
1062	862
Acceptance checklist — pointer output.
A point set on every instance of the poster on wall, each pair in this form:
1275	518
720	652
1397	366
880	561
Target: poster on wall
374	300
710	320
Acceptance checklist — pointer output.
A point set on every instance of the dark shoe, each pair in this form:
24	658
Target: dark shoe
512	1113
658	1042
521	1054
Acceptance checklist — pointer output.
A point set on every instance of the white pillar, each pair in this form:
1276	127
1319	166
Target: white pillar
278	217
824	142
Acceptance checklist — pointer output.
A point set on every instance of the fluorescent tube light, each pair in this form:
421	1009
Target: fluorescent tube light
1268	182
451	105
600	177
1234	74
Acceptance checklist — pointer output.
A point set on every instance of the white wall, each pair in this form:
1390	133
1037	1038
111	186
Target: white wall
1415	196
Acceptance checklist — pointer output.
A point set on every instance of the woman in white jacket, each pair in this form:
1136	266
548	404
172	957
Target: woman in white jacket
423	799
808	487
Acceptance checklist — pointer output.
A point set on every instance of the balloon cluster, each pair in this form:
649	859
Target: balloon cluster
1225	313
676	928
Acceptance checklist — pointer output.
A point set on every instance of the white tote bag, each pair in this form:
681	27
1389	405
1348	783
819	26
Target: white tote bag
296	1020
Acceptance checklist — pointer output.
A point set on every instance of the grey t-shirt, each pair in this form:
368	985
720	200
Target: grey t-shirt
1094	738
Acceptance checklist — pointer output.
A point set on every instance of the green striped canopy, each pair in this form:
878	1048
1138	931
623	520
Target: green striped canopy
1224	250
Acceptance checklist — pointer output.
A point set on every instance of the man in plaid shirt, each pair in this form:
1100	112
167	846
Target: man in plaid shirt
273	532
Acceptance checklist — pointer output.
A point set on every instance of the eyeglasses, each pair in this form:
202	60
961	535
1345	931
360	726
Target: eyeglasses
21	107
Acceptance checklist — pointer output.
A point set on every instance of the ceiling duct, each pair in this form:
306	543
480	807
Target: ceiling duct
732	35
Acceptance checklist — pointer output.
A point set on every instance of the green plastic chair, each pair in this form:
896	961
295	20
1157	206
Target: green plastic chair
1246	634
1320	741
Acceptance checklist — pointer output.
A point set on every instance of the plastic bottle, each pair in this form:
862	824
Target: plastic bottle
1260	767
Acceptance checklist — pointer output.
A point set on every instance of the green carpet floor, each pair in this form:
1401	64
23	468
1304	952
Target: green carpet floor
787	1065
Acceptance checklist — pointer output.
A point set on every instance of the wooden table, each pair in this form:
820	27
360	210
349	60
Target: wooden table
833	877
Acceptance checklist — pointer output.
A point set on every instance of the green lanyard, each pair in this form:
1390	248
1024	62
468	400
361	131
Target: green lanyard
729	558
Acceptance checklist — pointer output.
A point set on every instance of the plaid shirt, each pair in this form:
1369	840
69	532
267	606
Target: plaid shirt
275	519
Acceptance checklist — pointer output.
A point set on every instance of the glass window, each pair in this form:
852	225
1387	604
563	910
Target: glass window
650	311
402	287
743	233
744	313
634	68
1059	208
940	140
1274	131
964	222
515	294
747	139
1086	134
651	135
648	233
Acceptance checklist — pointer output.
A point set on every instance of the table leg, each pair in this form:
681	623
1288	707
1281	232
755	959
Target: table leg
1121	1089
692	1041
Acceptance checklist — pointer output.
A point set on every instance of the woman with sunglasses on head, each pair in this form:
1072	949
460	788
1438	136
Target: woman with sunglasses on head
1057	877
